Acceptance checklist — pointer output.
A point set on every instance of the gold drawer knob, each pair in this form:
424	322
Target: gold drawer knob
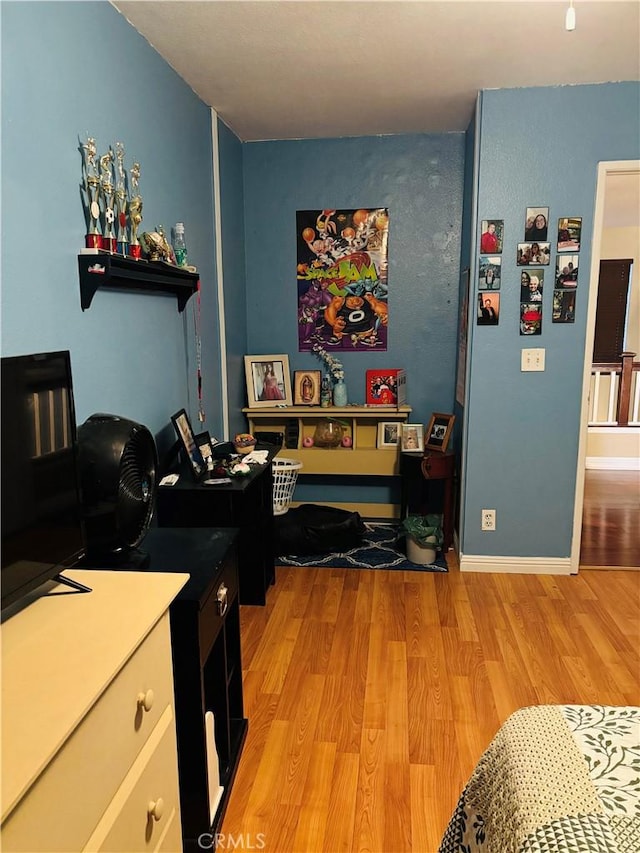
156	808
145	700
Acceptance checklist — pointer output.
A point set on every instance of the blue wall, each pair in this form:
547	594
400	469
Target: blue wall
70	70
537	147
420	179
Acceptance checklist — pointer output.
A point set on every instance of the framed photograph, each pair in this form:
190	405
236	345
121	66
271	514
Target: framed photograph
306	387
567	271
536	224
533	253
489	268
531	285
182	426
531	318
488	308
439	431
206	444
268	380
386	387
564	306
491	235
412	437
569	233
389	434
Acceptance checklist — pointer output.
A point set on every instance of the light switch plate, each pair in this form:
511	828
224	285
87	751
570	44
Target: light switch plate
532	359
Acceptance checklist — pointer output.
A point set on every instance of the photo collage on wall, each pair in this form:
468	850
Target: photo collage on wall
534	256
490	272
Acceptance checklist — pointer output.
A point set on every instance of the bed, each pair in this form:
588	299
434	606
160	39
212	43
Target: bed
554	778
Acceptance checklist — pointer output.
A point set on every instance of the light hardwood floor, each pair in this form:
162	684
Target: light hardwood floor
611	519
372	694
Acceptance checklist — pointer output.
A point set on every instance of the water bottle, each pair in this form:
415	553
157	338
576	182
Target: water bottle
325	393
179	245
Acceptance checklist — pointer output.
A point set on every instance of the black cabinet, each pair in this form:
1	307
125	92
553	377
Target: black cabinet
207	665
420	472
245	503
103	270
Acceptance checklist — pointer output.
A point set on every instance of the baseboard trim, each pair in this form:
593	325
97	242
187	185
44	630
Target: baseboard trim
516	565
612	463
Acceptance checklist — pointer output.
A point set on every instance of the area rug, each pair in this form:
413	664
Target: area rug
382	547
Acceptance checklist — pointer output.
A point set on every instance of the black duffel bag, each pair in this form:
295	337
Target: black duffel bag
312	529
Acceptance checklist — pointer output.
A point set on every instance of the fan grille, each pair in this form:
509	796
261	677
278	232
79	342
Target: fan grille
136	488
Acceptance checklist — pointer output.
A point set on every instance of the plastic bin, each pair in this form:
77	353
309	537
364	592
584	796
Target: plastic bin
285	474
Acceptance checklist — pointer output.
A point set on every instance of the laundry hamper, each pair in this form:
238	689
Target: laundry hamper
285	474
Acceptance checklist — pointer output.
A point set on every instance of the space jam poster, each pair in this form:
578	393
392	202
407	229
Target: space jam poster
342	277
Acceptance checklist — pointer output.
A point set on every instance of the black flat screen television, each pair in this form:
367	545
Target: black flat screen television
42	530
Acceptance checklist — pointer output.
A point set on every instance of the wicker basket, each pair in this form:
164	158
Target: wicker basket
285	474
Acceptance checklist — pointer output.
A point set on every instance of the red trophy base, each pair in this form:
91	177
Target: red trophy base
93	241
135	251
109	244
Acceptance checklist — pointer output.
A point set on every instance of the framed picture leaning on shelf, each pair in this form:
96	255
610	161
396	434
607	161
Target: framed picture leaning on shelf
412	437
306	387
388	434
439	431
268	380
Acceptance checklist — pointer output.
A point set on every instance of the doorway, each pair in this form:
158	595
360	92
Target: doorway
616	197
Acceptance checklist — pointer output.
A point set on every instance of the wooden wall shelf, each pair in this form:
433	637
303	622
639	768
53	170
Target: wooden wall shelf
105	271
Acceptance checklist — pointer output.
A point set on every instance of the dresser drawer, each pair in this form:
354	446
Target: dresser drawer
171	841
61	809
224	591
146	805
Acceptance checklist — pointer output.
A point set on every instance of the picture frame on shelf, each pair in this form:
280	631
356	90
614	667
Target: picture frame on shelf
206	444
188	445
306	387
412	437
268	380
386	387
388	435
439	431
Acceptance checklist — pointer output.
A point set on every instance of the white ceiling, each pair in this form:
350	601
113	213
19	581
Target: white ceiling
290	69
300	69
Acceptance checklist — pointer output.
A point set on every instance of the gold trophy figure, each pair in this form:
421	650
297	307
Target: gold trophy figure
135	211
93	238
108	194
121	201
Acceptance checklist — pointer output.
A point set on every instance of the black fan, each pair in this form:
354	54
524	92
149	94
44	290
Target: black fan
118	467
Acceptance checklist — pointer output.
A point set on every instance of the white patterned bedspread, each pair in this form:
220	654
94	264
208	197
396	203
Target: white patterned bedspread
555	779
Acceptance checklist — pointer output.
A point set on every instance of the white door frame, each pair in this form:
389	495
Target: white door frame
605	168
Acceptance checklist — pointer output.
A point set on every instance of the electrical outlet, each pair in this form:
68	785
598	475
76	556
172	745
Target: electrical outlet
488	519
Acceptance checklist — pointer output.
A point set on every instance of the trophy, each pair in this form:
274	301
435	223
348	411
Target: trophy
135	211
108	194
121	202
93	238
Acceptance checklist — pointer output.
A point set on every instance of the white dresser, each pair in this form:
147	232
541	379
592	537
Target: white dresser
89	760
